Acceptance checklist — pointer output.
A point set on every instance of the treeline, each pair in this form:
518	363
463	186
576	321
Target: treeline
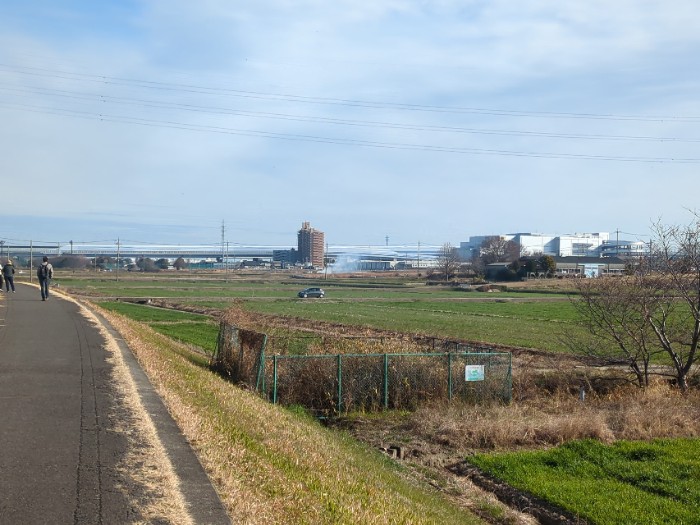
80	262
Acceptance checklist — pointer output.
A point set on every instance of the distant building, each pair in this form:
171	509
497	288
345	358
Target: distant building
284	258
571	266
574	245
311	246
589	266
624	249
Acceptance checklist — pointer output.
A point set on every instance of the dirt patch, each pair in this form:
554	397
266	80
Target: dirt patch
545	513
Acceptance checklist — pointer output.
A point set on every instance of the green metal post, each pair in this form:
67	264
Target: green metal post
449	376
340	383
260	382
386	380
274	380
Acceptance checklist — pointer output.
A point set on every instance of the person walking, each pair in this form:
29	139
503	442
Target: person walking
1	281
8	272
45	273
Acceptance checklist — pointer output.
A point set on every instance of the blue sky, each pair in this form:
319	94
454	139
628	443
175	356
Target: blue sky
154	121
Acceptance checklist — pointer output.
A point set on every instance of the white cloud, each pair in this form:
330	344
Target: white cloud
235	76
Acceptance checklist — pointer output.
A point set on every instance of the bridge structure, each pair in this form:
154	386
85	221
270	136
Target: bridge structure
188	252
340	256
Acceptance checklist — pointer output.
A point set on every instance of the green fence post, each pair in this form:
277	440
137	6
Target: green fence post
386	380
274	379
260	382
340	383
449	376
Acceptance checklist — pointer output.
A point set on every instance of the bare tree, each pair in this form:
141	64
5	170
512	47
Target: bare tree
613	310
676	276
448	260
497	249
654	311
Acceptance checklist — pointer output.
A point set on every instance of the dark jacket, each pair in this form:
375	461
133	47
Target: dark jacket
49	268
8	269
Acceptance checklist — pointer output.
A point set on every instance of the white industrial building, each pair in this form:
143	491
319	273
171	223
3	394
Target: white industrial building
571	245
624	249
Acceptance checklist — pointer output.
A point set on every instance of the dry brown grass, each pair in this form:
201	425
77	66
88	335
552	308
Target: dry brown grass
268	465
546	410
627	413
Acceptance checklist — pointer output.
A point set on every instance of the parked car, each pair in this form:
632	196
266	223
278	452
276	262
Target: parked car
311	292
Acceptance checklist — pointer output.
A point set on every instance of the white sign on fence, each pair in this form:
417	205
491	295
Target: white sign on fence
474	373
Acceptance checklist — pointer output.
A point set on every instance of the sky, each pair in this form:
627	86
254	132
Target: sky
379	122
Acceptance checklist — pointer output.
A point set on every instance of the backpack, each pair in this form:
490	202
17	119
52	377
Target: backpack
43	272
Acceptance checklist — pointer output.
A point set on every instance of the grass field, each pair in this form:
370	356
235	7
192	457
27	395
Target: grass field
529	324
531	320
193	329
655	482
273	465
628	482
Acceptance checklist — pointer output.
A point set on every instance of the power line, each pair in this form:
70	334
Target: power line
336	121
346	142
191	88
223	111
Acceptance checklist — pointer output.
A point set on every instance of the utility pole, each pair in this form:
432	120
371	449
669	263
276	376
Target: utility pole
223	246
118	254
31	261
418	261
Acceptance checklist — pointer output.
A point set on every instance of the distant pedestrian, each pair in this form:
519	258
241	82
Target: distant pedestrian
8	272
45	274
1	281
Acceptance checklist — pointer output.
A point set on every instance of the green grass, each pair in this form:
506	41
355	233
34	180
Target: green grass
531	320
629	482
193	329
203	335
531	325
281	466
150	314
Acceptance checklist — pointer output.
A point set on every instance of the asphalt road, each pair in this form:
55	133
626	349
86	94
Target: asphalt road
64	445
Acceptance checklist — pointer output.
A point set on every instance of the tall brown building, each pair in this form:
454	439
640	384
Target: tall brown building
310	243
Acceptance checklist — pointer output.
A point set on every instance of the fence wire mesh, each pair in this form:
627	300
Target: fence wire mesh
371	382
343	382
240	355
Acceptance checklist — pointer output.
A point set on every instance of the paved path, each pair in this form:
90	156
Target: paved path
61	451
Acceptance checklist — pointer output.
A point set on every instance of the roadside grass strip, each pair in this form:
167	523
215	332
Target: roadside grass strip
656	482
192	329
202	335
278	466
149	314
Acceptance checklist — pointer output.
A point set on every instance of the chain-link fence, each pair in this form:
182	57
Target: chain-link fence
240	355
347	382
369	381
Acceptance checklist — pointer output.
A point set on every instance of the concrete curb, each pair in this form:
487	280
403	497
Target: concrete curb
202	501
